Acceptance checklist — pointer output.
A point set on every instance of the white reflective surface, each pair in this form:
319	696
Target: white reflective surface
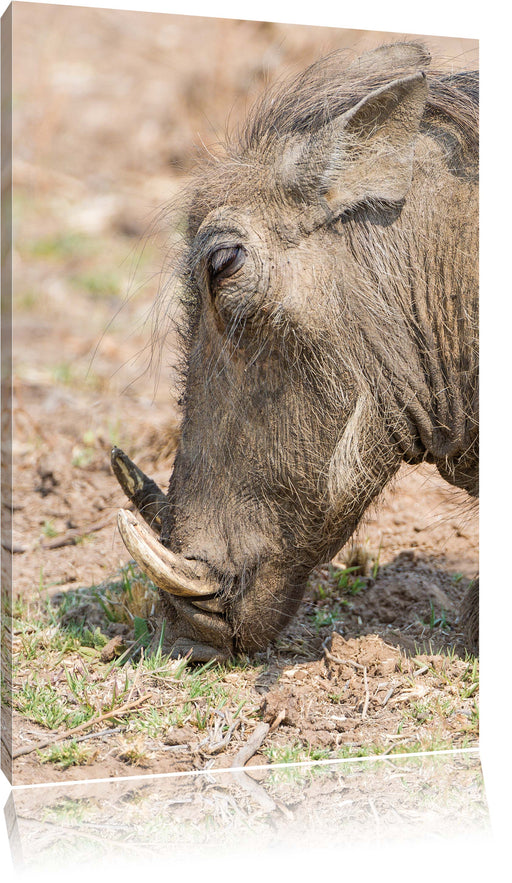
189	819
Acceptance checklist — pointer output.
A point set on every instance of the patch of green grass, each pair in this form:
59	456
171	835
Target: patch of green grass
471	677
195	695
78	683
30	639
131	595
206	691
432	742
159	723
179	716
51	638
239	663
163	667
141	631
16	607
67	754
63	373
26	299
475	716
420	711
38	638
346	581
299	775
70	810
441	707
327	616
129	599
59	246
295	753
87	638
437	620
42	704
108	606
99	283
155	723
334	593
347	751
49	529
340	581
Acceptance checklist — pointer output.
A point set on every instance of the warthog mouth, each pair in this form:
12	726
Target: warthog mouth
196	595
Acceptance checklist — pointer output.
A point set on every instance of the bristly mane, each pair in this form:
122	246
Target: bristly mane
329	87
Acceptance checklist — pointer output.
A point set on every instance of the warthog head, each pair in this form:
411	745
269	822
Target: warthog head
324	270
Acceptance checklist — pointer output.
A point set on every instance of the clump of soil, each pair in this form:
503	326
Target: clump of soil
361	690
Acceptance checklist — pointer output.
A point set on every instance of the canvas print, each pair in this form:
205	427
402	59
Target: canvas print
240	526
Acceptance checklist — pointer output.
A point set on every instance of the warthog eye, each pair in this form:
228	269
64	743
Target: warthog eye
224	262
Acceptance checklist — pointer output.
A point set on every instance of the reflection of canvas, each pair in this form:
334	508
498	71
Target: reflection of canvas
324	806
112	113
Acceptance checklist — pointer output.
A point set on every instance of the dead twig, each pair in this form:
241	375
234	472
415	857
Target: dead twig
76	534
255	790
14	548
224	742
60	737
367	694
394	741
109	731
252	746
332	658
184	746
70	538
87	834
279	718
388	696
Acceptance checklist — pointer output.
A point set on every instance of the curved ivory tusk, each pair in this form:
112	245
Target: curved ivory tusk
142	491
169	572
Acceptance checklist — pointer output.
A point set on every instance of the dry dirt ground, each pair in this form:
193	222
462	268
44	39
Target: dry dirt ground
108	111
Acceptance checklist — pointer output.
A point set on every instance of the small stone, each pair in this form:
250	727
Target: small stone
114	648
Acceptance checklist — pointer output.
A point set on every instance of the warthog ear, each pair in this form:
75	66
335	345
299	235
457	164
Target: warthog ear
364	155
391	57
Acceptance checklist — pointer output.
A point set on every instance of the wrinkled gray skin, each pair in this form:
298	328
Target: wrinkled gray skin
330	276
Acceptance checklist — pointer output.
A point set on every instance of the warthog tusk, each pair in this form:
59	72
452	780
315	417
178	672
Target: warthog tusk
169	572
142	491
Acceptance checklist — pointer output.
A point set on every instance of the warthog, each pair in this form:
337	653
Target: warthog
329	278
